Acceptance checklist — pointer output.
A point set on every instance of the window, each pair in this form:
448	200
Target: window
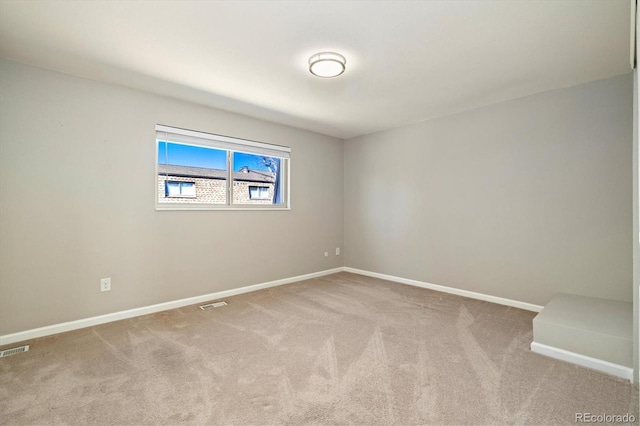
179	189
259	192
198	170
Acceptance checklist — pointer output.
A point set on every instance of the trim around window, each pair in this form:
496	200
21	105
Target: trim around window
219	172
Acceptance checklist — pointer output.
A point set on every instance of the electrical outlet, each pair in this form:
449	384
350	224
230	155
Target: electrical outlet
105	284
337	251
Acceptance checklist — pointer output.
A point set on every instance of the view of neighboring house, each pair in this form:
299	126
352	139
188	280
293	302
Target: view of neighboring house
200	185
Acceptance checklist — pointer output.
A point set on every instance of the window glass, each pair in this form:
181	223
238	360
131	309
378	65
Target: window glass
200	170
193	174
180	189
257	179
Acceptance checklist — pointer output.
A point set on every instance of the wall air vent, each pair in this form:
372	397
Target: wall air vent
213	305
9	352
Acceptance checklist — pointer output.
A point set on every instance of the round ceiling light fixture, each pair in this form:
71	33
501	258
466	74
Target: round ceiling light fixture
327	64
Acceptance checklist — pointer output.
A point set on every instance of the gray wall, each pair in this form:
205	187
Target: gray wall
77	204
636	227
522	200
636	216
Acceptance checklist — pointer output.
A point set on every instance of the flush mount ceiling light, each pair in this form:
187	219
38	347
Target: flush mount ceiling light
327	64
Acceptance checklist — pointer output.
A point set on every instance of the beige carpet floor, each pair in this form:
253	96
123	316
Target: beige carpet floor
341	349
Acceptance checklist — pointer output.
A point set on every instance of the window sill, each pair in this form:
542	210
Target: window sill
192	207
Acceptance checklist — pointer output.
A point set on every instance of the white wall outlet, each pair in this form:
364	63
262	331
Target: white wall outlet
105	284
326	254
337	251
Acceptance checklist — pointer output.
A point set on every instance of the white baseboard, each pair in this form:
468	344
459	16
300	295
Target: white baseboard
584	361
450	290
145	310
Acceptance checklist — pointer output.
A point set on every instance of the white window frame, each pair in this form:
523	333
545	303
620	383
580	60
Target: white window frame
229	144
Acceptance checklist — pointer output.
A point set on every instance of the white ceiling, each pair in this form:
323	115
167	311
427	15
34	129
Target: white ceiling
406	61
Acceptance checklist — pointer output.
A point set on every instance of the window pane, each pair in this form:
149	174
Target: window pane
172	188
188	189
180	189
256	179
193	174
260	193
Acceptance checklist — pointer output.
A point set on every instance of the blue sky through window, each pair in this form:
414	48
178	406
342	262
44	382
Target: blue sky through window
189	155
211	158
252	161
